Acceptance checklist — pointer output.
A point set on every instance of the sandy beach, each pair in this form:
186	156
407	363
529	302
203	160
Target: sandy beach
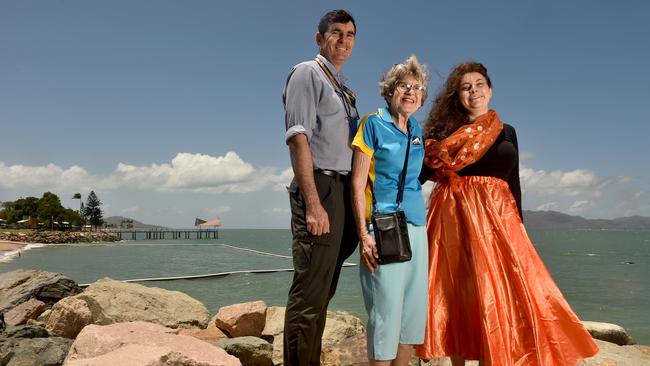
10	247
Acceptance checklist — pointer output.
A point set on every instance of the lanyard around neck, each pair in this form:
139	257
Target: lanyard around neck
348	97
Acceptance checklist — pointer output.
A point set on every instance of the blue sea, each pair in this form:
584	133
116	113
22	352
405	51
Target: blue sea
605	275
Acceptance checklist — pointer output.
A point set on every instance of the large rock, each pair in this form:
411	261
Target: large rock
68	317
251	351
20	314
339	326
26	331
141	343
107	302
351	351
21	285
211	334
274	331
34	351
614	355
608	332
240	320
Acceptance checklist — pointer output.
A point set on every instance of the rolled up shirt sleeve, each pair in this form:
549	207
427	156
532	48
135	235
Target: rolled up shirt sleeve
300	102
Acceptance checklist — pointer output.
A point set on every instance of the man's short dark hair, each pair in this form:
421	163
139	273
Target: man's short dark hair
335	16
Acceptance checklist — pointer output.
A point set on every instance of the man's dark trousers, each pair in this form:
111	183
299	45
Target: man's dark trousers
317	262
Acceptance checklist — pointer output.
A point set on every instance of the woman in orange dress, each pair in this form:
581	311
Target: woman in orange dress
490	296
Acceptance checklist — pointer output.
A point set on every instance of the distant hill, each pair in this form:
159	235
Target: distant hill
116	221
558	220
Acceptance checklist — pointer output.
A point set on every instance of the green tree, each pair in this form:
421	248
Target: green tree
49	209
19	209
73	217
93	211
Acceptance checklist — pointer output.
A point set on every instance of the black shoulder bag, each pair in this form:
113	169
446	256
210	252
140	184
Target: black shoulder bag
391	232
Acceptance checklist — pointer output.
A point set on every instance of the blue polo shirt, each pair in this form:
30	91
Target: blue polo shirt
380	138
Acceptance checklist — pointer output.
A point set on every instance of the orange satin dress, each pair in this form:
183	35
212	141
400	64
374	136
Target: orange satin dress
490	295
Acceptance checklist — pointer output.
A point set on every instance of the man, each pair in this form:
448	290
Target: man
321	120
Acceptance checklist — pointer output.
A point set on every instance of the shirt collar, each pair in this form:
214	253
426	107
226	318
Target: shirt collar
338	75
384	113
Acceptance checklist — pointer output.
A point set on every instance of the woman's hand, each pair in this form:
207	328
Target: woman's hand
368	252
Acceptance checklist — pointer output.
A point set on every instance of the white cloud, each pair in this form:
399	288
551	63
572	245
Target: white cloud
185	173
48	177
580	206
565	183
279	210
548	206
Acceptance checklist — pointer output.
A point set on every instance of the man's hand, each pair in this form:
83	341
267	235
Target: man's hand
318	222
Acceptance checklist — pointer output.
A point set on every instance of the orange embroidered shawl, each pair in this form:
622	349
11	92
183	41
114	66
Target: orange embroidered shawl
463	147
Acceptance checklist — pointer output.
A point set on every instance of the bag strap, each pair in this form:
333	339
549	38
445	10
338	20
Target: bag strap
402	180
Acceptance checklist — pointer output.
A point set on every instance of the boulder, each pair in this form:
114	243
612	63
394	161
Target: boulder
608	332
239	320
211	334
140	343
339	326
351	351
68	317
21	285
107	302
3	325
251	351
20	314
26	331
34	351
614	355
43	317
274	331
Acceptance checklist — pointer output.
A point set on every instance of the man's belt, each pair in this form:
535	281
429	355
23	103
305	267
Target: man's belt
332	173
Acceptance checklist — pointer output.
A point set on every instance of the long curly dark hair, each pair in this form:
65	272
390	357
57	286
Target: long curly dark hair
447	113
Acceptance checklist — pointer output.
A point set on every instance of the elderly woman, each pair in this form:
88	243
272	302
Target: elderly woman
490	296
393	293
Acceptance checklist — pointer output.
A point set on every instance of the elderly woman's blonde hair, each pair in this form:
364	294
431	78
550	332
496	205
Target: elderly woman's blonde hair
410	67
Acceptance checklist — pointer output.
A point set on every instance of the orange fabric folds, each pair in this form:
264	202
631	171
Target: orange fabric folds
490	295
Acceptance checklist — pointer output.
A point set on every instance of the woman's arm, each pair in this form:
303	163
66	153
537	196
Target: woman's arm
367	246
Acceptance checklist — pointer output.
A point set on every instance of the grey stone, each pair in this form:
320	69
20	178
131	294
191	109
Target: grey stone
34	351
251	351
608	332
21	285
26	331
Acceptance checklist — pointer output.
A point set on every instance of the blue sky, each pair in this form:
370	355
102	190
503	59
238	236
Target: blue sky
171	110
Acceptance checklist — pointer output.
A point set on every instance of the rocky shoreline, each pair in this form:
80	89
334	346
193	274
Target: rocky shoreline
58	237
47	319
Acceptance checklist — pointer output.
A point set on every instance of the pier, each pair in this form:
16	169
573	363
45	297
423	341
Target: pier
160	234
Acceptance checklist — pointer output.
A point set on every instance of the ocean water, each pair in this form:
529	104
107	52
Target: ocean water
605	275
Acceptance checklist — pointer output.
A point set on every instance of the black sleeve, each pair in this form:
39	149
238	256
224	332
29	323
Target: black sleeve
513	179
426	173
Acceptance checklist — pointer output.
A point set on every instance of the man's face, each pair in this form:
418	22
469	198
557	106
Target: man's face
337	43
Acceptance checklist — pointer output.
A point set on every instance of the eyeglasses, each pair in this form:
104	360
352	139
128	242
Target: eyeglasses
404	87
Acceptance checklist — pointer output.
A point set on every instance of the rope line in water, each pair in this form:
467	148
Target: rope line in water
220	274
346	264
